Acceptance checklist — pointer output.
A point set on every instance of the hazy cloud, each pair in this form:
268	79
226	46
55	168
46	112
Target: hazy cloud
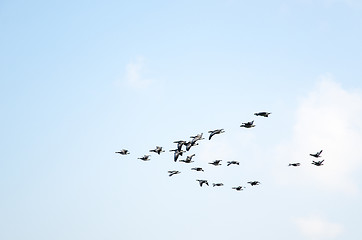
315	227
134	74
329	118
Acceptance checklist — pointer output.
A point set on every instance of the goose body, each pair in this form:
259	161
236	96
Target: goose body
248	124
232	162
171	173
216	162
263	114
198	169
157	150
145	158
202	182
317	155
217	184
123	152
318	163
188	159
177	154
180	143
294	164
253	183
238	188
217	131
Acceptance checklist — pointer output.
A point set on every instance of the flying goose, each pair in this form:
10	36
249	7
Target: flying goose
217	184
294	164
180	143
145	158
216	162
197	169
171	173
157	150
177	154
248	124
190	144
263	114
217	131
232	162
318	163
253	183
317	155
197	137
123	152
202	182
238	188
188	159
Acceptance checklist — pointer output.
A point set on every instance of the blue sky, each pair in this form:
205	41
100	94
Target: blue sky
81	80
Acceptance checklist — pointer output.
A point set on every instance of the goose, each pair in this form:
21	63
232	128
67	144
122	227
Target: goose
217	131
197	137
232	162
318	163
197	169
238	188
180	143
253	183
123	152
294	164
202	182
188	159
263	114
177	154
217	184
216	162
190	144
171	173
145	158
248	124
317	155
157	150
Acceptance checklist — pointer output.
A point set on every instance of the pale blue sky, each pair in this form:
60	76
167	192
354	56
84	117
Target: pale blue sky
83	79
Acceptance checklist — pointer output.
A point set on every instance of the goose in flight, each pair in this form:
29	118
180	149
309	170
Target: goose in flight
145	158
238	188
253	183
190	144
248	124
232	162
177	154
188	159
318	163
171	173
217	131
263	114
217	184
317	155
197	137
123	152
216	162
202	182
180	143
157	150
197	169
294	164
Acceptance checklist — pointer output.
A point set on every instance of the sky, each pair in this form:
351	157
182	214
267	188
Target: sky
81	80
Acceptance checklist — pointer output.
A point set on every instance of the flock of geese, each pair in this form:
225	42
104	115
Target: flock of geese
178	151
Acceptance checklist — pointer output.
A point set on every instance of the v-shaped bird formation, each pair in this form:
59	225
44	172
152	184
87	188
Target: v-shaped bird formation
194	142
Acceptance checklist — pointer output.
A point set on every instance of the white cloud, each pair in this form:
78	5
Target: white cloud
134	74
329	118
315	227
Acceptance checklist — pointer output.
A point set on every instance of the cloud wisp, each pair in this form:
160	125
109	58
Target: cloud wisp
328	118
315	227
134	76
